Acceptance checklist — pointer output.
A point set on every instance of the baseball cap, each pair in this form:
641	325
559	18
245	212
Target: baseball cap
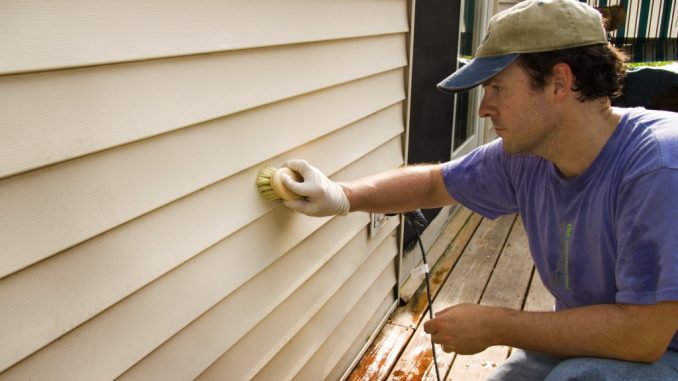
528	27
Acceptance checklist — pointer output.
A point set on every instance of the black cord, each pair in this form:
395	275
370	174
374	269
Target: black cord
418	221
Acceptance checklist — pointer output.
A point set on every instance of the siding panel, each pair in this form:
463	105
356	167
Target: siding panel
292	357
74	201
136	253
374	305
216	330
123	333
226	323
326	356
41	35
245	359
176	359
134	243
54	116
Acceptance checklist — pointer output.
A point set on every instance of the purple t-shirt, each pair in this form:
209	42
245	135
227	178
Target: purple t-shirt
607	236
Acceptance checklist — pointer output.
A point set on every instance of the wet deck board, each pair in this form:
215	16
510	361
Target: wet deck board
487	262
378	361
464	285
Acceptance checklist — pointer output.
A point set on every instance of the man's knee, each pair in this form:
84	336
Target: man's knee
524	366
600	369
580	368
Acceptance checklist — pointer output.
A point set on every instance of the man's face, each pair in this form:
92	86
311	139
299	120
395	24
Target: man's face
522	117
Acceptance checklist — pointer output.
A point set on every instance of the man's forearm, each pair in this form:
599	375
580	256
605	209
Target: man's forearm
398	190
626	332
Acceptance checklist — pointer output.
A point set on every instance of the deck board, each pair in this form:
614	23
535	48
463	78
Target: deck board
507	287
465	284
438	248
487	262
382	355
538	298
411	313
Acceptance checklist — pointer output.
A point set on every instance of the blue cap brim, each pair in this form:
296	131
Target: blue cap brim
479	70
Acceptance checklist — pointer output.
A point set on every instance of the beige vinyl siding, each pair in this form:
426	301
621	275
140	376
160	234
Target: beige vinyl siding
176	359
162	169
48	35
58	115
281	329
289	365
323	359
133	241
376	297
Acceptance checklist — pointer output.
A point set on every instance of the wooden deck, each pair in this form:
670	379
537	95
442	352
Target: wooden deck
486	262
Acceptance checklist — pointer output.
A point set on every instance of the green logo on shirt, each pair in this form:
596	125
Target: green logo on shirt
562	275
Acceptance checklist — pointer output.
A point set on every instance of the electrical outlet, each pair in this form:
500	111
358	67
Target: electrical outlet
377	221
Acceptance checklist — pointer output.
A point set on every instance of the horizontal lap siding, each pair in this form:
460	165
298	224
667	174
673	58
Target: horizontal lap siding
131	180
327	294
175	358
323	341
206	216
131	230
44	34
59	115
327	355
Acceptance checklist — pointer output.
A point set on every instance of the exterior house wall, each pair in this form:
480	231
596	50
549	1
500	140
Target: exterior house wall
133	241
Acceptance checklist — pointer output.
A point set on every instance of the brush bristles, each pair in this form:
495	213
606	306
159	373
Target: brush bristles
264	183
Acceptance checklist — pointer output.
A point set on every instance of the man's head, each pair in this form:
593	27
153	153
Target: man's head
538	35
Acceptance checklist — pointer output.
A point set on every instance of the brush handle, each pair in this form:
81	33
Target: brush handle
278	186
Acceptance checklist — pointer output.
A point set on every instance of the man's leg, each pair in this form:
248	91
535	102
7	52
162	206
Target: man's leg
599	369
525	366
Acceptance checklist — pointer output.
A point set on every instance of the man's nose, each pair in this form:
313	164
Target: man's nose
484	110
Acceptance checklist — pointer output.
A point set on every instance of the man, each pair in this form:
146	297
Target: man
596	187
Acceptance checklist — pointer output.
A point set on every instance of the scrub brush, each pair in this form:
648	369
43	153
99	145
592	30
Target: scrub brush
271	187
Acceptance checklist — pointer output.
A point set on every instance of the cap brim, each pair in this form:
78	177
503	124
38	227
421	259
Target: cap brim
479	70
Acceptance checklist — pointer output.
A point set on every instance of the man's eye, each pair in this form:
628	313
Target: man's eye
492	88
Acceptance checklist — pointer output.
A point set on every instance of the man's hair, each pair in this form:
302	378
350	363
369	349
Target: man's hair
598	69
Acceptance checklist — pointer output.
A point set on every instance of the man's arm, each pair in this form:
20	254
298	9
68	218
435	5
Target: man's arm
620	331
399	190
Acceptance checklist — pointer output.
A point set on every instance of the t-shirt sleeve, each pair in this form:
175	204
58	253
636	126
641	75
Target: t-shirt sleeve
647	239
480	181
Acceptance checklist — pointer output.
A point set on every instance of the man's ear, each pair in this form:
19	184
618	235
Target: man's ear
562	79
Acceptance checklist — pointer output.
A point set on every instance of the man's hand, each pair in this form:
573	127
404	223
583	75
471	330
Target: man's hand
630	332
464	328
322	196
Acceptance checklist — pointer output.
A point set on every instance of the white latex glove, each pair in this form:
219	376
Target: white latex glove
322	196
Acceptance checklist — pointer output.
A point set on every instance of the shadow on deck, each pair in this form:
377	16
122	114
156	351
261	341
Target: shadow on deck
480	261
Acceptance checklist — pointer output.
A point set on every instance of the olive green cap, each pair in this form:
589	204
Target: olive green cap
528	27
